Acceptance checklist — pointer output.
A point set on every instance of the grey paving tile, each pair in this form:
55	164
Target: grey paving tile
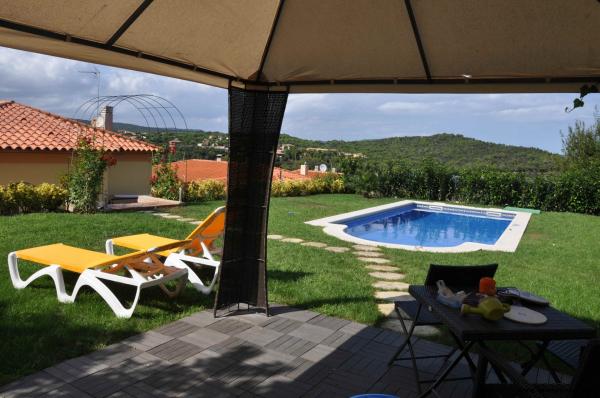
112	354
327	355
383	352
291	345
208	362
306	371
280	386
313	333
365	365
360	330
148	340
204	338
390	337
67	391
259	335
175	350
329	322
229	326
282	325
75	368
200	319
35	384
396	380
295	314
177	329
346	342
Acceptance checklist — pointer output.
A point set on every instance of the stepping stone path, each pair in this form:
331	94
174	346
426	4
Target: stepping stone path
368	254
385	268
185	219
389	285
314	244
365	248
393	295
374	260
195	222
336	249
388	276
275	237
292	240
171	216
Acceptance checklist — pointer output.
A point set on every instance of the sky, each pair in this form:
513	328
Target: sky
535	120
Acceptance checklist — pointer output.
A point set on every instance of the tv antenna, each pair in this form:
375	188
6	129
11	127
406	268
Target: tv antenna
96	73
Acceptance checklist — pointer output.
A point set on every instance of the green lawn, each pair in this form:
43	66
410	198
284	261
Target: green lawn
559	257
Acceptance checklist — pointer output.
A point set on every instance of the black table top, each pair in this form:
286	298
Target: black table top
472	327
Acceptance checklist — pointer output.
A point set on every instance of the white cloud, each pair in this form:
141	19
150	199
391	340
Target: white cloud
402	106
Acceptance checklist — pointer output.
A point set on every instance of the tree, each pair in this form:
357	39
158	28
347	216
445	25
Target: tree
581	146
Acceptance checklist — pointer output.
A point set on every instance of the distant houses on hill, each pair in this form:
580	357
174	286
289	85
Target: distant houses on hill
202	169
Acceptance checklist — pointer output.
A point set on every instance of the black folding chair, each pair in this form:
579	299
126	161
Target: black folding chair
456	277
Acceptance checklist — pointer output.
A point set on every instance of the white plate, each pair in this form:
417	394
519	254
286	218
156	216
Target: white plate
525	315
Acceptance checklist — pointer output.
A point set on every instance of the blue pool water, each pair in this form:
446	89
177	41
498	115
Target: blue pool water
414	226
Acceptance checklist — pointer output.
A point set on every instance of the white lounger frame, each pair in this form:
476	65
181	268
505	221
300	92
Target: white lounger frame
93	278
179	260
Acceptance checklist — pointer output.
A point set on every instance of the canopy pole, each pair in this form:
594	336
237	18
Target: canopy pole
255	119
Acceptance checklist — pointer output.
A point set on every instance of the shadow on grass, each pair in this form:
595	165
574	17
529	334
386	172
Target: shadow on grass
288	276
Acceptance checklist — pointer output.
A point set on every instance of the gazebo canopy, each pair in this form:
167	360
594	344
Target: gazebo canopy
324	45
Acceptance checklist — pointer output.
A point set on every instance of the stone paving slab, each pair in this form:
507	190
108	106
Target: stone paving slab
385	268
368	254
374	260
387	285
275	237
391	295
170	216
336	249
366	248
292	240
314	244
185	219
195	222
388	276
285	355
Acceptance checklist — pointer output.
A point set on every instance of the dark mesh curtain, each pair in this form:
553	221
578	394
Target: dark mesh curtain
255	119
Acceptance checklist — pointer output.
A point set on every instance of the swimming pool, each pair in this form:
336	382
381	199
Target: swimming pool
435	227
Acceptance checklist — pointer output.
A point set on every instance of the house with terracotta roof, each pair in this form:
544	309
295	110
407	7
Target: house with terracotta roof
201	169
37	146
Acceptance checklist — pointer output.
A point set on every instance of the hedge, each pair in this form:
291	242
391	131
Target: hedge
23	197
575	190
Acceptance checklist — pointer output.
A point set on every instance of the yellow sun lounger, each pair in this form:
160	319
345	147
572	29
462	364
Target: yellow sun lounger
199	252
140	269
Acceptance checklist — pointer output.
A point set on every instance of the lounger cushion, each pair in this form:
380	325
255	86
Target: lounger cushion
144	241
67	257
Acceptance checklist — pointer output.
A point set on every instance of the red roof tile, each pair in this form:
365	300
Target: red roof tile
199	169
27	128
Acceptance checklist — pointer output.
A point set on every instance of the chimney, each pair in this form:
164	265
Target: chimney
333	169
317	168
303	169
219	158
105	120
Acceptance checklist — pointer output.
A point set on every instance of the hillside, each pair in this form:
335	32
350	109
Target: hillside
454	150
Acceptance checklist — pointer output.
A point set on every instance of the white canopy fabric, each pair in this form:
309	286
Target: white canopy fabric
325	45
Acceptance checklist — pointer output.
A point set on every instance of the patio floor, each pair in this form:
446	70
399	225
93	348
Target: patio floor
294	353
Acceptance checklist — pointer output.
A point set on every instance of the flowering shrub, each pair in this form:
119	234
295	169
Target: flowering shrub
26	198
86	175
199	191
164	182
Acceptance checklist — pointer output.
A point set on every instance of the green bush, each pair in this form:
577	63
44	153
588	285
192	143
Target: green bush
86	176
575	190
200	191
328	183
22	197
164	182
